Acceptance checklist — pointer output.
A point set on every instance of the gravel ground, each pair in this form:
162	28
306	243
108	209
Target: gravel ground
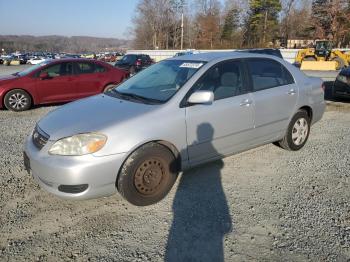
266	204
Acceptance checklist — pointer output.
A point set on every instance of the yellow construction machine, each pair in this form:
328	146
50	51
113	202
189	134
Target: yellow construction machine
322	57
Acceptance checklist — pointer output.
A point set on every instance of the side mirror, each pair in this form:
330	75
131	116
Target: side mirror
201	97
44	75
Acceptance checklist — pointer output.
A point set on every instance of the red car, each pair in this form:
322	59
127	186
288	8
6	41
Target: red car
57	81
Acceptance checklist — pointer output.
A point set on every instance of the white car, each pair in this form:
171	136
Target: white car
36	60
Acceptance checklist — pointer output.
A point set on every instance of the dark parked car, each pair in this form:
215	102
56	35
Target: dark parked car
341	87
57	81
134	63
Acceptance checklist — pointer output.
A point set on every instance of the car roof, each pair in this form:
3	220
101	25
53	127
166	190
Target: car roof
211	56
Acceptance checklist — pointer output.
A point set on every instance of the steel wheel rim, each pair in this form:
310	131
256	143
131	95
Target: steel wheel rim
149	176
300	131
18	101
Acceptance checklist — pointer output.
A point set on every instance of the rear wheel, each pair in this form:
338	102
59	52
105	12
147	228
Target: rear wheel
147	175
108	88
17	100
340	62
297	133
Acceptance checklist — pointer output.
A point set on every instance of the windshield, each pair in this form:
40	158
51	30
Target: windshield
160	81
32	68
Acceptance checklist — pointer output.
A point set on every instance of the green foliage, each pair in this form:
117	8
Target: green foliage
262	22
231	24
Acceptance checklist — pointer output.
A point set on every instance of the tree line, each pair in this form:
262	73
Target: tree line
209	24
74	44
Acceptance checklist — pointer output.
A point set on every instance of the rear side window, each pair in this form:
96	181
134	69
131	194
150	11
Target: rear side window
89	68
268	73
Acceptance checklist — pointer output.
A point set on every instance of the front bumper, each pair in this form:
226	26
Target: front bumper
341	89
53	173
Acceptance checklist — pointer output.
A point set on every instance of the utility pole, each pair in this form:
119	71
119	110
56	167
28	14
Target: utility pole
182	28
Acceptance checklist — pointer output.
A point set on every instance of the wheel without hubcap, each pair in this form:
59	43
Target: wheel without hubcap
147	175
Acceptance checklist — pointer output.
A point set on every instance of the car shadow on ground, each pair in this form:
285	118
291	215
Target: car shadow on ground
201	214
328	96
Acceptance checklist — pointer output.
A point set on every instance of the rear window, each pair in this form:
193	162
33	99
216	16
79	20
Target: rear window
268	73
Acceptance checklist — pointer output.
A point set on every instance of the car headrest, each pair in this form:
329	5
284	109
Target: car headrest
229	79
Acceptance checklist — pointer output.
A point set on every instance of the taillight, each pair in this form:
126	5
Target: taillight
323	86
138	62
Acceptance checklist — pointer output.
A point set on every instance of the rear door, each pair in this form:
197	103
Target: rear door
275	97
59	86
89	78
223	127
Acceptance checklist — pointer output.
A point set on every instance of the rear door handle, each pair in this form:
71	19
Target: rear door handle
246	102
291	92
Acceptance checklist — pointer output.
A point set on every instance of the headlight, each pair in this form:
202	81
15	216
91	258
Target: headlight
343	79
78	145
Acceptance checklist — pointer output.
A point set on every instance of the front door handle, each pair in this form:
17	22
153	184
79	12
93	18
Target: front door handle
291	92
246	102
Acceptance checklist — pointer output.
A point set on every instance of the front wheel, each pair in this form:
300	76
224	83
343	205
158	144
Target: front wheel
297	133
17	100
147	175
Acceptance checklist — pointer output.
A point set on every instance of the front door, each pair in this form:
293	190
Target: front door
223	127
58	86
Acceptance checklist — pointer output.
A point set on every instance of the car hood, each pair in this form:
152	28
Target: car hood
93	114
345	71
7	78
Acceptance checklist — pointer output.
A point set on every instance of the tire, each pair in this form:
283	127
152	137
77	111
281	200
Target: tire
147	175
297	133
17	100
132	71
108	88
340	62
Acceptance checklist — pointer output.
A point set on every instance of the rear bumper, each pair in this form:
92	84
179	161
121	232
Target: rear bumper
95	176
318	110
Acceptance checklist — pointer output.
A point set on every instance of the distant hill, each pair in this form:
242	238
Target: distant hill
54	43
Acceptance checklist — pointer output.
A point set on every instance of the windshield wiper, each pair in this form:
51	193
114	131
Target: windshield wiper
141	98
15	74
130	96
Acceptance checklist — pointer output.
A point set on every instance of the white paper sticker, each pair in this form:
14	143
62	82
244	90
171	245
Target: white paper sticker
191	65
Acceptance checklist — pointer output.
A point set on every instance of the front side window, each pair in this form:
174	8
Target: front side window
268	73
160	81
224	80
61	69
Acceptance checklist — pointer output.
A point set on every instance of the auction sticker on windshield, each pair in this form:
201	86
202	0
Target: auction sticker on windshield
191	65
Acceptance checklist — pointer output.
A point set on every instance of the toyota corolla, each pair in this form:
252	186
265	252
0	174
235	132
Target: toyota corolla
175	115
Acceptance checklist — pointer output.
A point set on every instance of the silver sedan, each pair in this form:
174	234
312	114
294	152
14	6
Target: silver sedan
175	115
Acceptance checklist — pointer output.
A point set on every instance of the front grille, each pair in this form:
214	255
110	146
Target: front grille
40	138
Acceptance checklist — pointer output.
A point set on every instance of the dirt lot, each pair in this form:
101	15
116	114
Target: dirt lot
263	205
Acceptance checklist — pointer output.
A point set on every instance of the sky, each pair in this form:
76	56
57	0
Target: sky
100	18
